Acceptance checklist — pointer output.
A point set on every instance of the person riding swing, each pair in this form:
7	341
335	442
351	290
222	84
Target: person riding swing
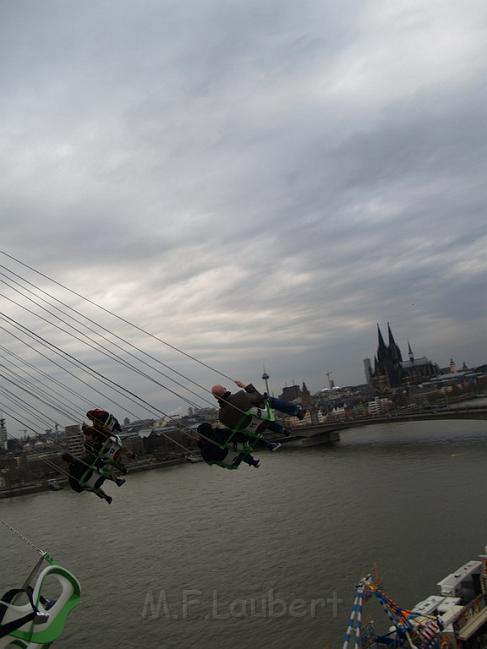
84	475
102	438
228	448
249	411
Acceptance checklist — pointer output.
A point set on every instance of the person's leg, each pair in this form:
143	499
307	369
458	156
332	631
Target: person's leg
238	459
269	446
106	496
283	406
248	459
101	494
287	408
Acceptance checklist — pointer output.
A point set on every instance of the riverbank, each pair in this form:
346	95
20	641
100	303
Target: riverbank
36	487
24	490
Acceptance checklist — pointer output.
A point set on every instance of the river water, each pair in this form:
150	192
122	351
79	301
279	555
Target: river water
195	556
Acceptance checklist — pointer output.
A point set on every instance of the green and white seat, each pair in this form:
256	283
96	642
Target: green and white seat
38	623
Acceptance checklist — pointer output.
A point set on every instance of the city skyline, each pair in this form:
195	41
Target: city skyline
16	432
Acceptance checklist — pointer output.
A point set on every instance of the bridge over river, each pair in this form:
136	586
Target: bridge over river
329	431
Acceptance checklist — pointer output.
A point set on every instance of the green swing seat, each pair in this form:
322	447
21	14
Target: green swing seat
45	619
253	430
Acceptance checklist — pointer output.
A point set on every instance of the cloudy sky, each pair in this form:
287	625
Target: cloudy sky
254	181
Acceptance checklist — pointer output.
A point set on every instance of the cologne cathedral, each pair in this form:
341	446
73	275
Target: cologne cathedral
392	372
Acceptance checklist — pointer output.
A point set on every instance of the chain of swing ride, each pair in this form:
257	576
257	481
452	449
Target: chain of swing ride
63	404
93	344
38	415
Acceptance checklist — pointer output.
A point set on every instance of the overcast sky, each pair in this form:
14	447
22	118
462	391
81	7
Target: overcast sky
254	181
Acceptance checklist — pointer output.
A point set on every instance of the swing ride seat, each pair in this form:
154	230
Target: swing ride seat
230	462
92	478
109	449
48	624
253	429
99	468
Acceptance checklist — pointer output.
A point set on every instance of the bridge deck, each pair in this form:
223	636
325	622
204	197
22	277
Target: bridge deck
473	413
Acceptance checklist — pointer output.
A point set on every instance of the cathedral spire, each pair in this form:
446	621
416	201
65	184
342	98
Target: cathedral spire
382	348
391	337
393	347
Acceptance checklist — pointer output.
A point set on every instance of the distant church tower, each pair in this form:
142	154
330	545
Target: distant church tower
387	363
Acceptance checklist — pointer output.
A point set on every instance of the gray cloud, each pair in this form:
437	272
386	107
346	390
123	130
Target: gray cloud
254	181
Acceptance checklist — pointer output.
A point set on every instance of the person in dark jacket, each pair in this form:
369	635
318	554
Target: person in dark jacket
83	478
103	434
233	407
212	439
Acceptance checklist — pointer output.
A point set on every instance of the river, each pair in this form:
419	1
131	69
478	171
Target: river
195	556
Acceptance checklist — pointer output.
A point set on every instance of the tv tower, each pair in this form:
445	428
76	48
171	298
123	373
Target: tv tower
331	382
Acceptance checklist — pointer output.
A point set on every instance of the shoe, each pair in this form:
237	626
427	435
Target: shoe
109	499
301	414
275	447
256	463
119	482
